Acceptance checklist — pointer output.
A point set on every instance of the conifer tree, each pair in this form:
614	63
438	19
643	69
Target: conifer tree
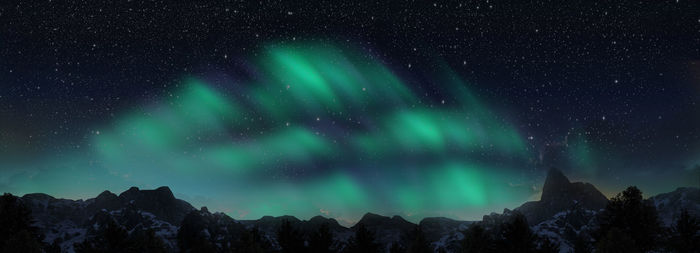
289	239
16	232
419	244
630	215
476	240
321	240
363	241
685	234
516	236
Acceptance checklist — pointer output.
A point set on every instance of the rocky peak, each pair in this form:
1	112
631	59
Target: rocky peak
161	193
106	200
371	220
388	230
554	184
558	195
319	220
377	222
106	195
38	197
165	192
130	192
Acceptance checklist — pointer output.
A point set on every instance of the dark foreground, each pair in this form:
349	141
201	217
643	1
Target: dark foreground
570	217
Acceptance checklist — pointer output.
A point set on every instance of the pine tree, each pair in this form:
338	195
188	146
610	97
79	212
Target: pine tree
55	246
476	240
396	248
628	213
516	236
191	236
252	242
321	241
146	241
419	244
547	246
685	234
112	238
616	241
582	244
363	241
289	239
16	232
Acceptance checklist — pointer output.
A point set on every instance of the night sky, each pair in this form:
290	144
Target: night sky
336	108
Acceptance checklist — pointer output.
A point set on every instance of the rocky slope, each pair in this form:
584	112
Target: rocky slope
669	205
558	195
565	211
67	222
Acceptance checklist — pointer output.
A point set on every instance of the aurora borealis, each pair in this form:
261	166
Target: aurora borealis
296	141
305	125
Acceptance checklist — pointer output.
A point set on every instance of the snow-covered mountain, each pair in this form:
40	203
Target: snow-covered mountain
66	222
669	205
566	211
444	233
69	222
559	195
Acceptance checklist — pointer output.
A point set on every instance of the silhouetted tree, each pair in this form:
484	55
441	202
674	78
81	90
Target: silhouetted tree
396	248
321	240
418	244
146	241
112	238
582	244
251	242
54	247
363	241
516	236
16	232
685	234
193	235
289	239
476	240
631	216
616	241
22	241
547	246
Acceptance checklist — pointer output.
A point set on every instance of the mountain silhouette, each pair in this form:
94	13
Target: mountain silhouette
558	195
564	210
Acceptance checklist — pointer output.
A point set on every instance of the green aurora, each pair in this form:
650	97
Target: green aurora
320	130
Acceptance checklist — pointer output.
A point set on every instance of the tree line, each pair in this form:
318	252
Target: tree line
628	224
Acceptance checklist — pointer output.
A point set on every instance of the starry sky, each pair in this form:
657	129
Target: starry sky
417	108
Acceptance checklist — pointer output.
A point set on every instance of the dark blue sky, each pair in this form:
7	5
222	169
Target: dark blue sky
616	82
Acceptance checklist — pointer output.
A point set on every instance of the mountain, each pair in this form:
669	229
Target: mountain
67	222
386	230
269	225
444	233
669	205
558	195
565	211
218	230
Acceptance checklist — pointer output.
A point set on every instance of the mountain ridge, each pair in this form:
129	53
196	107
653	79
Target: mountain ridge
564	208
